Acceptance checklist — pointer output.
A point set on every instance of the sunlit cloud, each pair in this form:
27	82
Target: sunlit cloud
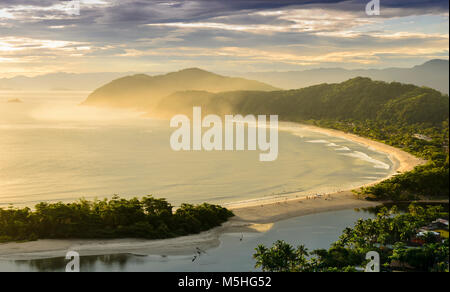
38	36
280	55
5	14
297	20
58	10
20	44
383	35
6	60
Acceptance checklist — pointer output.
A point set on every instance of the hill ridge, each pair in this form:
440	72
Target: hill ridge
358	98
141	91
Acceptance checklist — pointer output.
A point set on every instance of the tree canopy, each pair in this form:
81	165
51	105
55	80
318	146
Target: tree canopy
148	218
389	234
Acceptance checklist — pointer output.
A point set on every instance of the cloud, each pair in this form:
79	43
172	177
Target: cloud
283	34
294	20
136	11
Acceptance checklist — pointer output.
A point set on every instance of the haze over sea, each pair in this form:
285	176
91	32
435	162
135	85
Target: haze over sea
52	149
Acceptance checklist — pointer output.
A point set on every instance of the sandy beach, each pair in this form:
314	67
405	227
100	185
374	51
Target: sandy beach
404	161
253	216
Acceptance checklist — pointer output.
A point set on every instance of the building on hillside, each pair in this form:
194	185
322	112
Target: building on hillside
422	137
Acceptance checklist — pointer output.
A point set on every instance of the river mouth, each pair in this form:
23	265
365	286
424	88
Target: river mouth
234	254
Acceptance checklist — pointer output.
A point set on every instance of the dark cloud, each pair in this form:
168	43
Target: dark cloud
38	3
189	10
121	25
196	10
124	20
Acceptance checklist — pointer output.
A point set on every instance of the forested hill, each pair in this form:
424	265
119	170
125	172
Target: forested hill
143	91
356	99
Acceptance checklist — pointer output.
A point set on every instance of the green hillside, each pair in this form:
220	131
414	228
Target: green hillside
356	99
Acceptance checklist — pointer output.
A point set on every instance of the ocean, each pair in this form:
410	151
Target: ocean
52	149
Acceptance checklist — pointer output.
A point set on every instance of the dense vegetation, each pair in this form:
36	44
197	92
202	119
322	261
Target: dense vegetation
388	234
148	218
392	113
430	180
358	99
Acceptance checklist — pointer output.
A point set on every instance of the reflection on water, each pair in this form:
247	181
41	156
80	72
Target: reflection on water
51	149
404	206
89	263
233	255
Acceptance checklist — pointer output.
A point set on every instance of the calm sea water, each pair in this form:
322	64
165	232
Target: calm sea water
233	255
51	149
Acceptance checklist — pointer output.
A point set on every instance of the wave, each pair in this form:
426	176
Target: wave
318	141
298	135
343	149
363	156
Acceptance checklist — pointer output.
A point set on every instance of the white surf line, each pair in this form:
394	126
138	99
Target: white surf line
344	148
297	127
355	154
363	156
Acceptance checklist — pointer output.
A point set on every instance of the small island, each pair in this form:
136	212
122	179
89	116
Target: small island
14	100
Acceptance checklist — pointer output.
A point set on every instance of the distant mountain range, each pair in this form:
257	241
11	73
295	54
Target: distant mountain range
358	98
143	91
59	81
433	74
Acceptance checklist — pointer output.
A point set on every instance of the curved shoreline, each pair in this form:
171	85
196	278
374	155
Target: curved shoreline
265	211
402	162
406	162
253	216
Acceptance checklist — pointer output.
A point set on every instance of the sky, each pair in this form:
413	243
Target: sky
46	36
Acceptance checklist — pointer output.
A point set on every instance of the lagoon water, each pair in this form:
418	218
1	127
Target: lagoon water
51	149
233	255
